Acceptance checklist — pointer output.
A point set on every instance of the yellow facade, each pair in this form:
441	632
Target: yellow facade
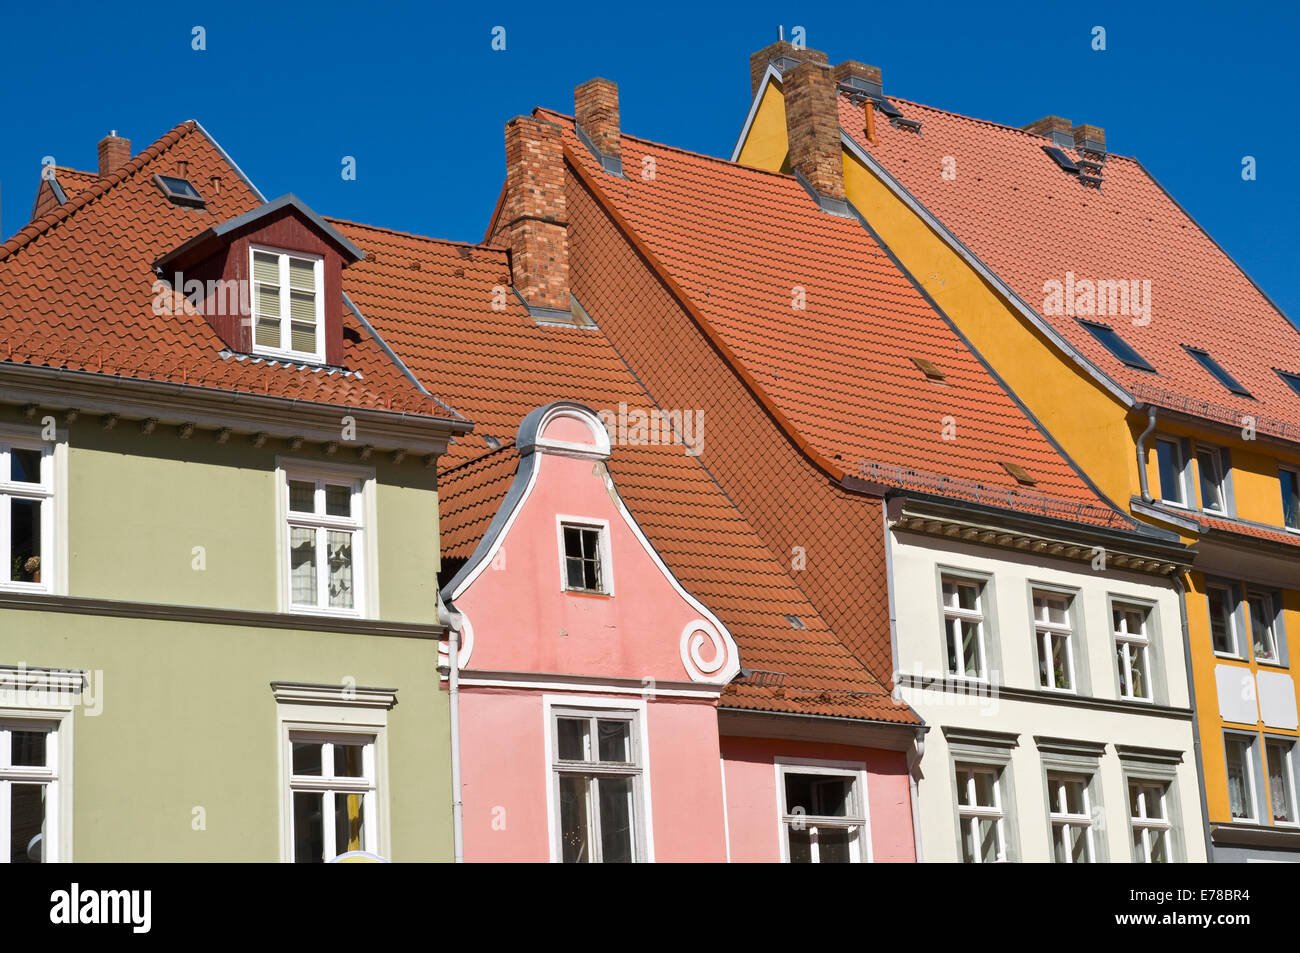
1090	423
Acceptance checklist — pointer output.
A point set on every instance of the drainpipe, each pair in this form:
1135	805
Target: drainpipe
454	621
918	747
913	758
1196	722
1142	457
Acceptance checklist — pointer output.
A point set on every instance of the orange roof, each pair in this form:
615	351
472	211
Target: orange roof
432	301
74	181
745	246
76	291
1030	222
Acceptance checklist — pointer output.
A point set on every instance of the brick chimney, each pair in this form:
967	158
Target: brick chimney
1089	138
813	128
595	106
860	76
785	54
114	152
534	219
1056	128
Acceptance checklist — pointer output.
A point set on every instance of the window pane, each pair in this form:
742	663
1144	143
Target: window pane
307	759
1279	781
1220	621
1207	462
818	795
302	338
1075	800
1171	485
574	572
615	820
1290	480
28	748
25	465
348	760
1240	796
25	540
968	597
302	496
340	567
338	500
266	267
302	565
575	826
615	741
268	333
267	301
302	274
833	845
800	846
1159	847
572	736
985	789
1138	670
970	648
26	823
308	832
990	841
349	822
1261	627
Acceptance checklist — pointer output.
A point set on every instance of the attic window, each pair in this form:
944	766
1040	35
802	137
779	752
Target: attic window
179	191
1020	473
928	368
1292	380
795	622
1214	367
1109	338
1061	159
288	310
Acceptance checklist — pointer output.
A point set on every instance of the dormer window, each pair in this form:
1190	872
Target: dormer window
288	310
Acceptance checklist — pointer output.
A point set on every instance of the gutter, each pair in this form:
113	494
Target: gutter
1142	454
1196	722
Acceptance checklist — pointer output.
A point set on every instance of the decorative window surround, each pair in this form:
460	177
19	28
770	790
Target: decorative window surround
328	714
1064	759
361	523
992	750
855	819
955	618
47	491
604	555
1056	620
1153	767
1136	642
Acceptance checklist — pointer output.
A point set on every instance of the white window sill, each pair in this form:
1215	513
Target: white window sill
292	357
1228	657
327	613
32	588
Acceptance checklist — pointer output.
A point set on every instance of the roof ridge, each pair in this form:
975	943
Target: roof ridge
57	215
477	246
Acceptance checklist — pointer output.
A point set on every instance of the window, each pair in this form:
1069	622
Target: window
1150	821
1292	381
963	625
1223	623
1070	809
980	814
1290	480
1240	754
1262	637
1278	753
29	791
1217	370
1132	651
179	191
1052	633
1109	339
26	514
1169	457
823	814
332	787
582	558
324	529
288	309
1209	466
597	776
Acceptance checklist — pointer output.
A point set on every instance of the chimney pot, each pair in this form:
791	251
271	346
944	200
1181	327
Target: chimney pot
860	76
786	54
114	152
813	128
595	106
1056	128
1089	138
534	216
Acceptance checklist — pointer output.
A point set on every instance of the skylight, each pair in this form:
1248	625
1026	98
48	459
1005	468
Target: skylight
1214	367
1293	380
1109	338
1020	473
928	368
1064	161
179	191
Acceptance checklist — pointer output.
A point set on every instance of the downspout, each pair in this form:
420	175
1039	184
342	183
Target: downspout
1142	469
454	621
913	759
918	747
1196	721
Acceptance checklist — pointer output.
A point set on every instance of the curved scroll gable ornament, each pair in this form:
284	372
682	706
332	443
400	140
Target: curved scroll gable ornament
705	653
466	646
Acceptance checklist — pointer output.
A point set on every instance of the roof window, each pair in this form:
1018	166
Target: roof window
179	191
1109	338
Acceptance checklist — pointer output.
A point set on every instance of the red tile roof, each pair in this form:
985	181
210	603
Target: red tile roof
1030	222
76	291
1250	530
744	244
432	301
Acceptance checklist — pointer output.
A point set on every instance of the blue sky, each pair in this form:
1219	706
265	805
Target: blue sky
418	96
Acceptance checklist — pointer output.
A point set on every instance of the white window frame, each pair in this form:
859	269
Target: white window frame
974	813
329	713
606	553
581	706
1295	472
1141	640
1143	823
1218	478
1251	763
1180	472
284	353
1288	779
362	524
51	492
953	616
1230	596
860	844
1269	623
1060	818
43	700
1043	633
